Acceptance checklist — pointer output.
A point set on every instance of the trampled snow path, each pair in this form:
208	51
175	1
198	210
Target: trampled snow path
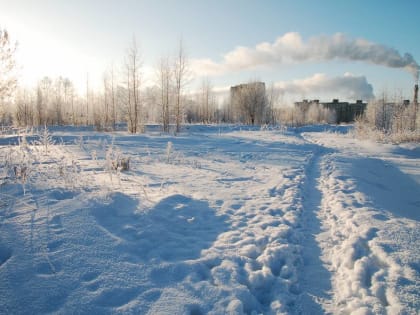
316	279
370	215
227	221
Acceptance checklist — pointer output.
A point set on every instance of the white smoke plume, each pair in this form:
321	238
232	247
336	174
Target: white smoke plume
291	48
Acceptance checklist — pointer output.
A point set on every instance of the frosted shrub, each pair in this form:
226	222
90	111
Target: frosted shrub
196	164
22	141
386	121
80	142
283	129
45	140
121	164
69	171
168	151
124	164
264	127
115	161
17	166
94	155
21	173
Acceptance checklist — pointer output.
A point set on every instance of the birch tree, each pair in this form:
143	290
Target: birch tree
112	91
8	79
181	72
24	111
58	99
106	116
133	64
250	101
68	93
165	83
44	101
87	99
207	101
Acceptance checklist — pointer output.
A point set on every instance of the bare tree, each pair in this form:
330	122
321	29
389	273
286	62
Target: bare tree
43	111
87	99
249	102
133	64
112	92
380	112
39	106
58	99
207	101
106	117
24	111
165	85
272	100
8	79
68	100
151	100
414	108
7	65
181	73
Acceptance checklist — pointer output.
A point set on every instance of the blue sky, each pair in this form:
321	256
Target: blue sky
72	38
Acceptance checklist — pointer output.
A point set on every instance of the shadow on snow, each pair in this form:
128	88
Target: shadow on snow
386	186
178	228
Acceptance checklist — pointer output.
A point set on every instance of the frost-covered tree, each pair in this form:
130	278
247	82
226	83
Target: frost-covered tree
113	96
87	99
8	80
181	73
39	112
58	100
206	102
272	100
249	102
318	114
165	84
24	108
68	101
390	119
44	99
133	105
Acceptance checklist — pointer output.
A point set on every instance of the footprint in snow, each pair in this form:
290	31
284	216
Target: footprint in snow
90	276
177	228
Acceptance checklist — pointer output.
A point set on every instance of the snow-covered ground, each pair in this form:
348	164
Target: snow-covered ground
217	220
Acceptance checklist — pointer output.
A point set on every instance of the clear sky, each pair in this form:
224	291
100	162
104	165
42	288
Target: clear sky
310	49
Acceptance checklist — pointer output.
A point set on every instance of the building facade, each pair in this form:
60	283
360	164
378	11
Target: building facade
345	112
248	102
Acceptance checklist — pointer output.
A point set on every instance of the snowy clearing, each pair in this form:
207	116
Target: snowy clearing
218	220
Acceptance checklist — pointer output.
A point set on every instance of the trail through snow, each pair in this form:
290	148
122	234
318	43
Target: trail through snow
316	279
370	214
223	220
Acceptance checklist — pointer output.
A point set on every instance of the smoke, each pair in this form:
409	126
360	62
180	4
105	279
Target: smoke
291	48
348	86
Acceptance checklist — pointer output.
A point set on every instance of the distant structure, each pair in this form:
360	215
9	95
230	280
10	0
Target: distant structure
248	102
344	111
237	91
416	107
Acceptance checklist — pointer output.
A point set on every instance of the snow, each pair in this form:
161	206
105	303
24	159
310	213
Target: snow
217	220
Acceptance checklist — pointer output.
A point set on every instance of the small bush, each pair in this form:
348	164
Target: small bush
121	164
168	151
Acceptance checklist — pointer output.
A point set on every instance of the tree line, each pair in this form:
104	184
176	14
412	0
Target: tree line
125	100
122	99
391	119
